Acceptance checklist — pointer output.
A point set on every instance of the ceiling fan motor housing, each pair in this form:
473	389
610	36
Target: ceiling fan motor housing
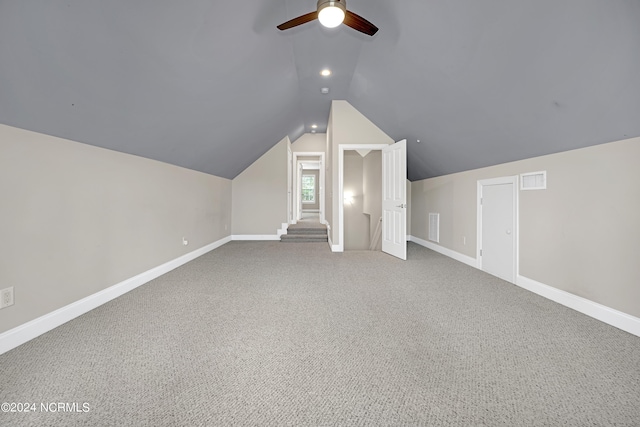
342	4
332	13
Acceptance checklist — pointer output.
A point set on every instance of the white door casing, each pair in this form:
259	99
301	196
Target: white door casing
289	186
497	227
297	200
394	199
299	192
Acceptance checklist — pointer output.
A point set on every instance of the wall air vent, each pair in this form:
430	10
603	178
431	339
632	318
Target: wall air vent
434	227
533	181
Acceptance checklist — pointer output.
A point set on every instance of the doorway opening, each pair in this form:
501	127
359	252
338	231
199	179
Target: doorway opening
308	187
393	199
362	200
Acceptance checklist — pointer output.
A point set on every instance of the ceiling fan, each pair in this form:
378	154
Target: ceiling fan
331	14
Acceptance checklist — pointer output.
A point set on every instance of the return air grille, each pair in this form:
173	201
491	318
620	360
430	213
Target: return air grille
434	227
533	181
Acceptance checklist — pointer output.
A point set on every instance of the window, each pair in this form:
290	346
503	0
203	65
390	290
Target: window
308	188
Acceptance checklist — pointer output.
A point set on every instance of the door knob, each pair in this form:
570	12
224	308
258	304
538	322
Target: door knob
401	206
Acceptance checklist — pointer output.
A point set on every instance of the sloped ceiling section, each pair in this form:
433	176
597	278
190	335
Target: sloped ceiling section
172	81
482	83
212	85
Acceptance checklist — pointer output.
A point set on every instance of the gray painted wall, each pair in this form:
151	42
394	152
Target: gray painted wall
260	194
310	142
580	235
77	219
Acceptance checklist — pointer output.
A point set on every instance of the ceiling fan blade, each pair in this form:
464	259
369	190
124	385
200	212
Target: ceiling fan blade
299	20
357	22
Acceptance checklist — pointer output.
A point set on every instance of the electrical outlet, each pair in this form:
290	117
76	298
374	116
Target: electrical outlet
6	297
185	241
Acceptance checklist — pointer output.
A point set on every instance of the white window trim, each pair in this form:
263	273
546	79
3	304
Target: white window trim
315	189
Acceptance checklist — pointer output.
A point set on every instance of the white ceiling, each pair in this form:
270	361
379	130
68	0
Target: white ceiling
212	85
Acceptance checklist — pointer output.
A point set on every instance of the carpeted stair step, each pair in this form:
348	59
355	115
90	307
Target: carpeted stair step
300	238
307	231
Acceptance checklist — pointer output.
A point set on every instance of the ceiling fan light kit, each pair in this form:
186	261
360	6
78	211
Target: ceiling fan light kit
331	13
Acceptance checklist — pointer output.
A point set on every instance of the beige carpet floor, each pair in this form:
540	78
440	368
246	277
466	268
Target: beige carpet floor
267	334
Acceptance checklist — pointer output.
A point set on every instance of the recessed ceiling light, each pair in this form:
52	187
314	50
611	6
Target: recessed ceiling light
314	126
325	73
313	131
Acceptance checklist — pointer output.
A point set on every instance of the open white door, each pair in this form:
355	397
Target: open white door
394	199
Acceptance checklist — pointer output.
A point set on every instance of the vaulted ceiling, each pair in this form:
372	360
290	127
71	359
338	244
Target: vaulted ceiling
212	85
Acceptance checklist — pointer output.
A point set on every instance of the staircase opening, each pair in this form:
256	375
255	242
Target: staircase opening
362	199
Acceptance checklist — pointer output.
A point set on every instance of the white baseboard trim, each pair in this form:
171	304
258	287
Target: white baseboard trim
283	229
605	314
34	328
334	248
255	237
444	251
